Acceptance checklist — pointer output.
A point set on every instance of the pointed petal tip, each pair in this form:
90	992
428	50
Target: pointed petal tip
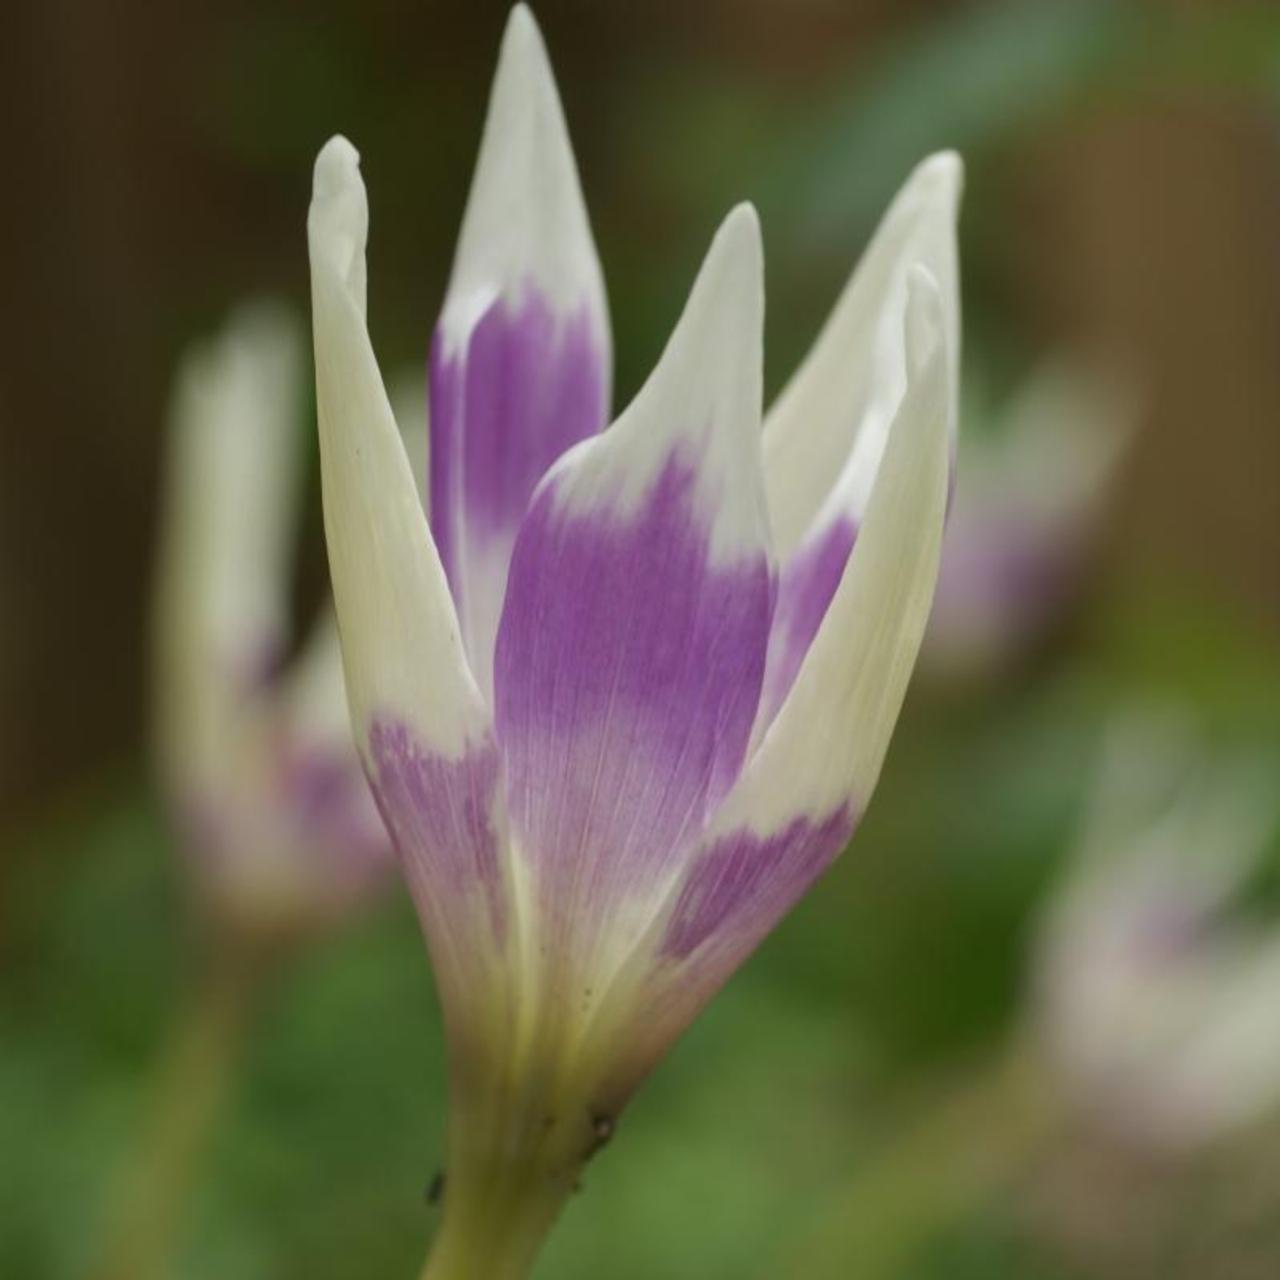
941	177
522	57
522	33
524	85
731	280
526	222
717	345
702	401
336	168
943	167
711	373
744	218
338	221
739	235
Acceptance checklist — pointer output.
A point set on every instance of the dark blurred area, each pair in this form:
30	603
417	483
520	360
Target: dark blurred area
851	1106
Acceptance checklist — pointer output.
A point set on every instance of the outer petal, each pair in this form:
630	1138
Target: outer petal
226	541
800	796
521	358
632	642
420	722
825	436
832	418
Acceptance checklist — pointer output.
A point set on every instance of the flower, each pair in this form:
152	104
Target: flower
629	694
1156	1002
1030	500
256	763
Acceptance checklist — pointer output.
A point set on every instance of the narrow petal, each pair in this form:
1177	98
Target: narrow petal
420	722
825	436
803	791
520	362
806	585
227	538
632	642
828	426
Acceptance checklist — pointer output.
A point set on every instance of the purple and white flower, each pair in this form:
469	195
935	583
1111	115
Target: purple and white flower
628	693
256	762
1155	1000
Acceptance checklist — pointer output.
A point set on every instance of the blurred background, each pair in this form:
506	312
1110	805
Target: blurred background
909	1080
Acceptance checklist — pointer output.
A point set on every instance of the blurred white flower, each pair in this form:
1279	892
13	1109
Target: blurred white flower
1031	495
255	757
1156	1001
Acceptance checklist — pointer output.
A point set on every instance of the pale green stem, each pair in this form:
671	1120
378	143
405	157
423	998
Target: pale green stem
492	1232
192	1080
520	1133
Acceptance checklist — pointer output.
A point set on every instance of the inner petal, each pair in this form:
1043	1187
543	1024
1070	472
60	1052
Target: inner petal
506	402
629	667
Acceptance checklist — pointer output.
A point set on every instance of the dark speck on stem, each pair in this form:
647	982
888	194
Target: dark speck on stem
602	1127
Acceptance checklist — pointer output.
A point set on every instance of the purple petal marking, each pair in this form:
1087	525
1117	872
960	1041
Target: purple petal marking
733	893
331	807
627	676
743	884
442	816
808	583
528	383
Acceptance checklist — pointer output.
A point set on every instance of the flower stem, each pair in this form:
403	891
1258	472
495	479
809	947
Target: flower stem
519	1138
496	1237
192	1080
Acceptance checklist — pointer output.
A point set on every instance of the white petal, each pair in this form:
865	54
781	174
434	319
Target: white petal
525	222
400	643
825	433
702	403
633	634
799	798
825	747
227	535
521	357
